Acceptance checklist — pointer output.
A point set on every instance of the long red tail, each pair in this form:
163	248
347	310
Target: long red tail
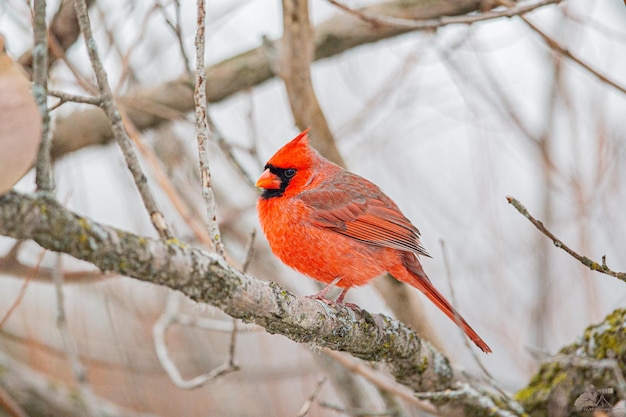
414	275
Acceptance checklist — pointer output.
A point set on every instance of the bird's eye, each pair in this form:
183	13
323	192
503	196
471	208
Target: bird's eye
290	172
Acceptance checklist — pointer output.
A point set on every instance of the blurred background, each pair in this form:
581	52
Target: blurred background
448	122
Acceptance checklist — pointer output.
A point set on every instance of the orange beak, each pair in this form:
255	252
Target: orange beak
268	180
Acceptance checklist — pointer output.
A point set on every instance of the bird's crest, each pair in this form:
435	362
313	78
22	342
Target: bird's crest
295	154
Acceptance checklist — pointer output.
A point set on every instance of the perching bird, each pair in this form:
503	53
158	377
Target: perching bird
20	122
338	228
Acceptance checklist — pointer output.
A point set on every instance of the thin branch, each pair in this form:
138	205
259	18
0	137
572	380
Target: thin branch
128	74
306	407
66	97
176	28
214	325
227	149
357	412
82	80
10	405
120	134
20	296
380	381
376	20
202	133
504	395
554	45
557	47
88	400
12	266
63	33
244	71
172	315
44	176
190	218
159	330
249	251
35	392
593	265
298	52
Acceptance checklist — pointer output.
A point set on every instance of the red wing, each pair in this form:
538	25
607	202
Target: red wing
370	216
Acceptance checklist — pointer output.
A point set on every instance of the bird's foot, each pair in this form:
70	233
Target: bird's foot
349	305
321	297
338	303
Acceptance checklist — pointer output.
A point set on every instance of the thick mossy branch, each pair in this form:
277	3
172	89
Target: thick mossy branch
207	278
559	382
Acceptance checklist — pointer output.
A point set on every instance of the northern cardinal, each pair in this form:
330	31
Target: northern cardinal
20	122
338	228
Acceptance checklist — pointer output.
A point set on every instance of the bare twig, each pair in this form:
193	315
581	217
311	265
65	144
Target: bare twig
505	396
357	412
171	315
295	69
10	265
554	45
593	265
462	391
249	251
176	28
20	296
272	54
306	407
10	405
120	134
227	149
62	33
557	47
35	392
242	72
493	94
202	133
65	97
516	9
457	318
166	184
160	345
214	325
44	177
69	347
379	380
81	80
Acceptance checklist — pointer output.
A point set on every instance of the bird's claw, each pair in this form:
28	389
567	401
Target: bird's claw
337	304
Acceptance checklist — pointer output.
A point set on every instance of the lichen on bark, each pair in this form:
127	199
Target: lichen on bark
553	390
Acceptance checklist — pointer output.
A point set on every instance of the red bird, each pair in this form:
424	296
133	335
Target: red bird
338	228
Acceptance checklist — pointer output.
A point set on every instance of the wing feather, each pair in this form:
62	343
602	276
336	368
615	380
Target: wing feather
369	216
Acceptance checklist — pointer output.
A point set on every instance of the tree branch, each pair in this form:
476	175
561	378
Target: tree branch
149	107
118	130
591	264
44	176
206	277
39	396
510	10
295	70
63	33
553	390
